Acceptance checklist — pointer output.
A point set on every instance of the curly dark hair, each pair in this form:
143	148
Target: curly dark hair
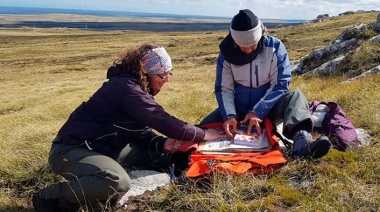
131	60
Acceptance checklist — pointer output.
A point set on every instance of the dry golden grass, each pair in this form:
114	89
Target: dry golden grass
46	73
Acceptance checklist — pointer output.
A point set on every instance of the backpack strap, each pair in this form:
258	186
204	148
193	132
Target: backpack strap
275	135
313	106
288	144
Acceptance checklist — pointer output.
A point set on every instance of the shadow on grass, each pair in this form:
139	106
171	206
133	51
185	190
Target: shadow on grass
16	209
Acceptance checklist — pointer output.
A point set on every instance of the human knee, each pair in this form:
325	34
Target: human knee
123	184
295	92
120	181
295	98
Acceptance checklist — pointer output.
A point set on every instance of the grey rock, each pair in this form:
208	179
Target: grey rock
363	136
327	68
376	25
322	16
375	39
372	71
144	180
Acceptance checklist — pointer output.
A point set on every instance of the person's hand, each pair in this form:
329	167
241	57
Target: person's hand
212	134
230	127
253	120
171	145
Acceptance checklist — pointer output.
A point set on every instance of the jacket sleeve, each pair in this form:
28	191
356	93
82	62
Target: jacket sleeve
143	108
280	80
152	140
224	88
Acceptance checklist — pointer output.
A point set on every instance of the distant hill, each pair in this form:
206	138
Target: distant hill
14	17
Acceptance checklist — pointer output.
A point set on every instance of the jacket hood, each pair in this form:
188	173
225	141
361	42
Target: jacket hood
118	71
232	53
114	71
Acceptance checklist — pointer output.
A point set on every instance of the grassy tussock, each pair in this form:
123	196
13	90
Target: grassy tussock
47	73
361	60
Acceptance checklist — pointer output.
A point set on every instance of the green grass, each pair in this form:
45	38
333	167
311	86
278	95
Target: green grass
361	60
47	73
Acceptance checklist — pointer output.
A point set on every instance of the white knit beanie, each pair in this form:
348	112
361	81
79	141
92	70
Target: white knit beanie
246	29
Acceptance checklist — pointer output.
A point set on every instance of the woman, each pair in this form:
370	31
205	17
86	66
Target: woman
252	83
115	125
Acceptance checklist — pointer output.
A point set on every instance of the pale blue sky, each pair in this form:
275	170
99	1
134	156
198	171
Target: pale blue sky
265	9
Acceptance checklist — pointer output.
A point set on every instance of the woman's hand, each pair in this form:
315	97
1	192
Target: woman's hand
253	120
230	127
171	145
212	134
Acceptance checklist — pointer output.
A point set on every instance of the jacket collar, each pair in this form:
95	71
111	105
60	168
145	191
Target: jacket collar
232	53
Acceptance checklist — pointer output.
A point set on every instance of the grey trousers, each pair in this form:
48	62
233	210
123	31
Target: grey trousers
92	177
292	109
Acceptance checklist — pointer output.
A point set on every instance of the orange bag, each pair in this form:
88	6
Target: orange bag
252	162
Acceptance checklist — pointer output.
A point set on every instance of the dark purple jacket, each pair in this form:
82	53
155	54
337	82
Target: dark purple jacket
120	112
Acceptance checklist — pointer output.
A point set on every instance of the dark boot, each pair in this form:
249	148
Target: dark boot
44	205
304	146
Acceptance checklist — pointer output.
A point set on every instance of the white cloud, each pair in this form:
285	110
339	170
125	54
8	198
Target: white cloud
283	9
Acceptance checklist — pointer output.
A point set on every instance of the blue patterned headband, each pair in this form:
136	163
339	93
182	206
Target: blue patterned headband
157	61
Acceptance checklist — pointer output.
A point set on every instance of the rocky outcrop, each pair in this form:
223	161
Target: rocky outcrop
375	39
327	60
327	68
376	25
372	71
319	18
323	17
344	43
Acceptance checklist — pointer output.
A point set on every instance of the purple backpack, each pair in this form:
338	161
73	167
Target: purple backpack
337	126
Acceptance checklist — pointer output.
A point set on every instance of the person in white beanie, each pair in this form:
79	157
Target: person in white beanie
252	83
